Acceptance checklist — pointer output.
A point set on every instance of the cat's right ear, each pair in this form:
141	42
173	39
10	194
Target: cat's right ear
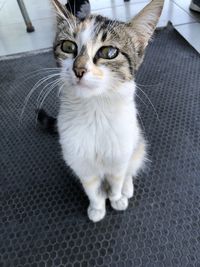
61	12
142	26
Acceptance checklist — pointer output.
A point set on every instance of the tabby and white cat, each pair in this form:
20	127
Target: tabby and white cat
97	123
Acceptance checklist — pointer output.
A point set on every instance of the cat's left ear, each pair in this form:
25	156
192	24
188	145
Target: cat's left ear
62	12
142	26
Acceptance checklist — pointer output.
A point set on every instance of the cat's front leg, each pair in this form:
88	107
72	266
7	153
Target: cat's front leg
97	197
136	163
117	199
128	187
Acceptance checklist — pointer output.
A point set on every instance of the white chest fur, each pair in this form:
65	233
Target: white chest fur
98	134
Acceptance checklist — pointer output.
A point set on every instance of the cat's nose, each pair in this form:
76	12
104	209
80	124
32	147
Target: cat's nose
79	72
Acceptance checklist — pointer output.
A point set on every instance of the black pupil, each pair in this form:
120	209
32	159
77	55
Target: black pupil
70	48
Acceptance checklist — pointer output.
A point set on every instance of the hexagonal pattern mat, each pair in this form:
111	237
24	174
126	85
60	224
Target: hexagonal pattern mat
43	219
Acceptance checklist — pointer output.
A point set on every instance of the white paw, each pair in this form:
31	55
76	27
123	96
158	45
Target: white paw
120	204
128	191
96	215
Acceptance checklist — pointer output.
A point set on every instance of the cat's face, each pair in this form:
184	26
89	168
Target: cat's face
98	54
95	56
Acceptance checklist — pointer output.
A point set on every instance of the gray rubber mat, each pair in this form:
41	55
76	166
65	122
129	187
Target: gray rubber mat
42	206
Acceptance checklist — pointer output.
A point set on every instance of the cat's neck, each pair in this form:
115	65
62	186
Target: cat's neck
121	95
102	109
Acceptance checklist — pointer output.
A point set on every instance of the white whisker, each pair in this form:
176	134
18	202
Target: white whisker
37	73
38	83
47	93
60	89
43	89
149	102
141	100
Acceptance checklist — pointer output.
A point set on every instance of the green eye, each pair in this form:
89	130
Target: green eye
107	52
69	47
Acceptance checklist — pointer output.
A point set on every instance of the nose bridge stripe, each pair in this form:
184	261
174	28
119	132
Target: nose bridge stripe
81	59
83	51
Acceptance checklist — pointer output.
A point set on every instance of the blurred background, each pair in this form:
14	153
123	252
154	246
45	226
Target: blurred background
14	38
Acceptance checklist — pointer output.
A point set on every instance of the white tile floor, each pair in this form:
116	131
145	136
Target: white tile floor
14	38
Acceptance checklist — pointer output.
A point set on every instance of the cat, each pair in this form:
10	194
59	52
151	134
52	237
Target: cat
99	133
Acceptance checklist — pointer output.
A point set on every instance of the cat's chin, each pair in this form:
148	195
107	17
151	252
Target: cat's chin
86	92
83	89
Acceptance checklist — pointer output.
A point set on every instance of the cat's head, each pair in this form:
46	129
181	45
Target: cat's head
98	54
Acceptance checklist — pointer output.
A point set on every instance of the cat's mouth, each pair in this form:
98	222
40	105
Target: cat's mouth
83	84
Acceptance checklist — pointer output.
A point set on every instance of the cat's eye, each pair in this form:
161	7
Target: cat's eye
69	47
107	52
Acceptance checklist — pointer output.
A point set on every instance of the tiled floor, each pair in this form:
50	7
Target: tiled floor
14	38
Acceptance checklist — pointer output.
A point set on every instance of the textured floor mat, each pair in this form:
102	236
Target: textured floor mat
43	219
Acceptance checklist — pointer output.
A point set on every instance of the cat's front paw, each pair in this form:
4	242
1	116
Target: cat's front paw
120	204
96	215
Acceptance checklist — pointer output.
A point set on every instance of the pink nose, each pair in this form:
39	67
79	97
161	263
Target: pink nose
79	72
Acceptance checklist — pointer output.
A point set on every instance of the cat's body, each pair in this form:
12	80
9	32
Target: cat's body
99	133
100	139
102	132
